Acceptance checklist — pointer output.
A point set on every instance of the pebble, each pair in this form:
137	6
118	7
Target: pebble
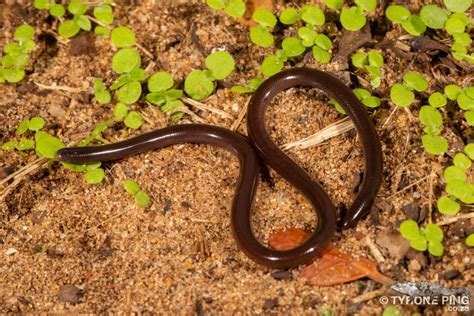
451	274
11	251
282	275
69	293
270	303
412	211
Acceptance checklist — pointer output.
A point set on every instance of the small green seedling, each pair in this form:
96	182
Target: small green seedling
104	14
199	84
161	94
353	18
141	198
392	311
23	144
69	28
250	88
101	94
431	117
261	34
234	8
364	96
16	58
413	24
402	95
334	4
371	62
428	238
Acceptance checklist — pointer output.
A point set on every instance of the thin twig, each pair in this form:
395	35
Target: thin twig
374	250
190	113
430	196
369	295
455	219
241	116
330	131
204	107
14	174
390	116
409	186
61	88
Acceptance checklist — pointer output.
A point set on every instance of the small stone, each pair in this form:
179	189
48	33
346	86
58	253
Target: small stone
413	254
412	211
5	172
68	293
414	265
282	275
451	275
269	304
11	251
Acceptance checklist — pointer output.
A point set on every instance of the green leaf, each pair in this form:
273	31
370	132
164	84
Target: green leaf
93	165
9	145
68	28
42	4
76	7
465	102
392	311
102	95
57	10
454	173
434	144
25	144
96	132
131	187
462	161
416	81
104	13
371	102
457	5
367	5
447	206
36	123
397	13
261	36
401	95
452	91
361	94
352	19
221	64
24	32
433	16
235	8
359	60
420	244
435	248
375	59
470	240
198	85
216	4
123	79
47	145
414	25
430	116
130	92
157	98
469	116
133	120
313	15
321	55
469	150
455	24
23	127
323	41
457	188
293	46
470	92
289	16
142	198
122	36
171	106
334	4
28	46
94	176
410	230
264	17
437	100
433	232
307	35
13	75
138	74
160	81
120	111
101	31
271	65
125	60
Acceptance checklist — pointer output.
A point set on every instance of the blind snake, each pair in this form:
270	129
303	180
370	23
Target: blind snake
259	143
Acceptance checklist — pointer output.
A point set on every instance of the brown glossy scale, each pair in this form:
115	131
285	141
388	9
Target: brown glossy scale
274	157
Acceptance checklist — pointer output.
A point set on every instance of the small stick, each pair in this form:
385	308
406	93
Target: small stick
389	117
204	107
369	295
455	219
411	185
374	250
61	88
190	113
241	116
14	174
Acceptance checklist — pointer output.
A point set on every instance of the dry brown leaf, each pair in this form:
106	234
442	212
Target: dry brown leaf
287	239
334	267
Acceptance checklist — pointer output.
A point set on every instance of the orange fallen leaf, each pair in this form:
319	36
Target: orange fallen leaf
287	239
332	267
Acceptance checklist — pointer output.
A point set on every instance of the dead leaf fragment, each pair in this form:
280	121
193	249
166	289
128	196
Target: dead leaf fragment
287	239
